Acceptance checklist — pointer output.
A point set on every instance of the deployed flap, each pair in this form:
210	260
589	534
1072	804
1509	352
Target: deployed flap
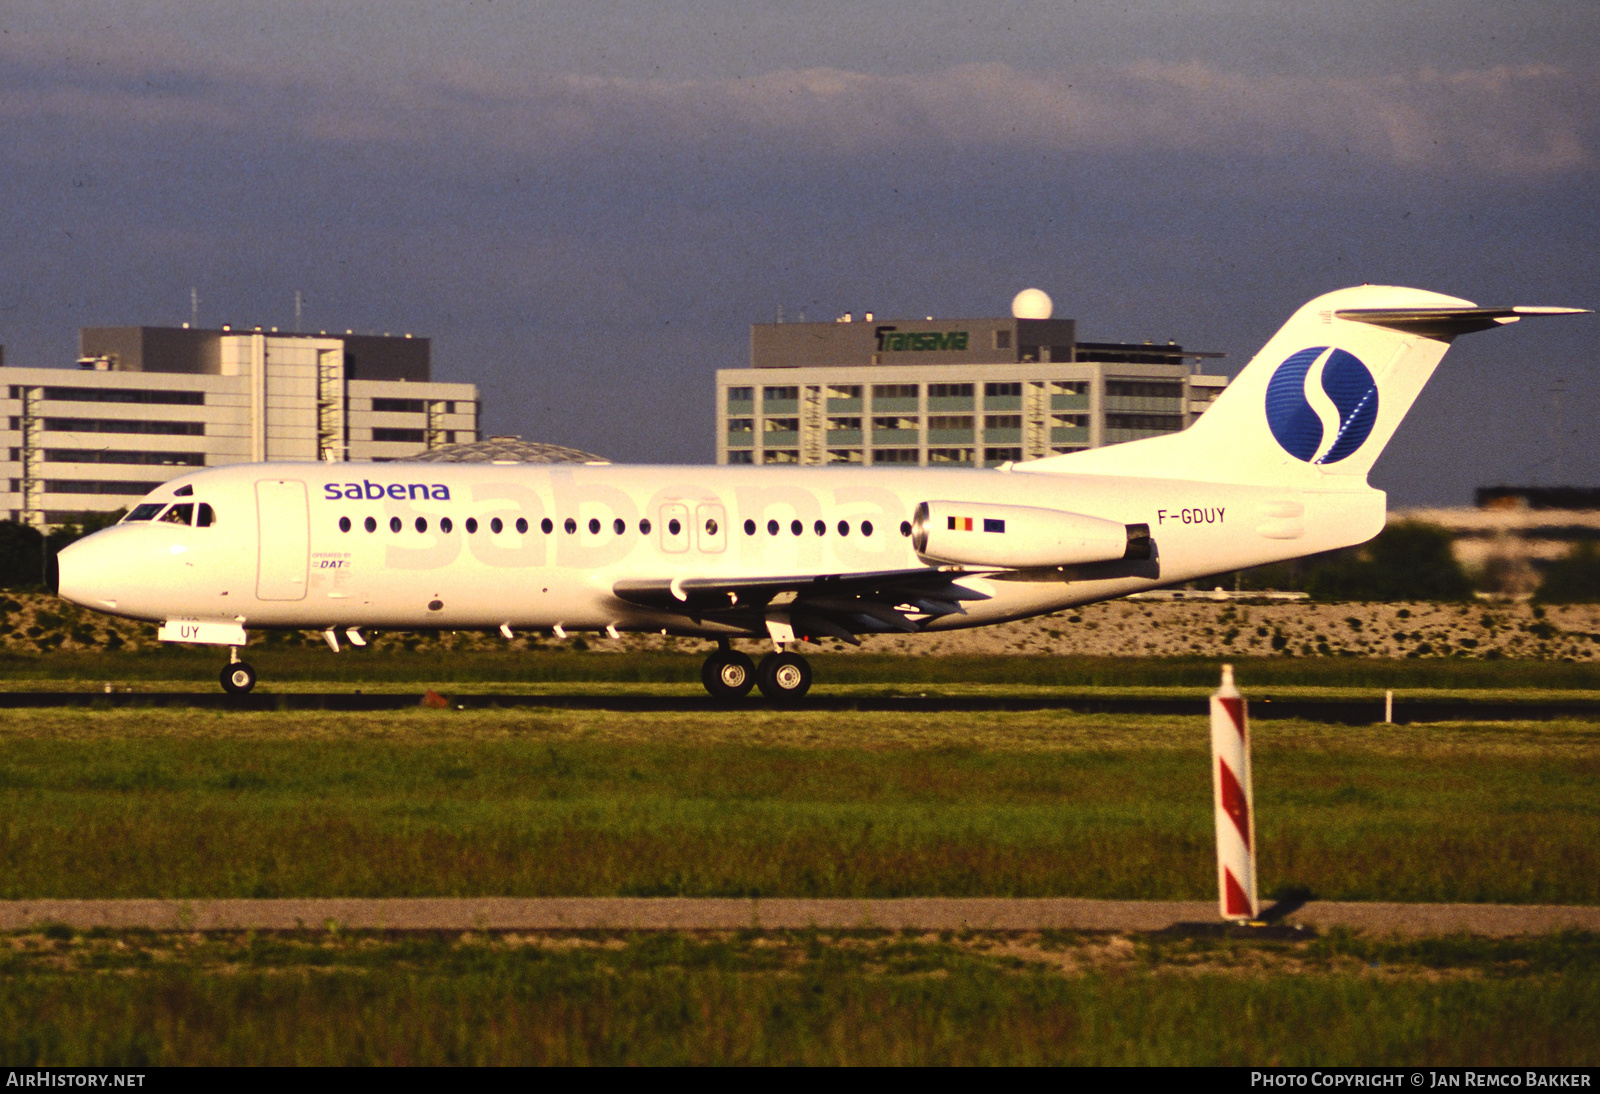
840	605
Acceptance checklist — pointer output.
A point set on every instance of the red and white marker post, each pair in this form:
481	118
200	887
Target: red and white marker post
1236	817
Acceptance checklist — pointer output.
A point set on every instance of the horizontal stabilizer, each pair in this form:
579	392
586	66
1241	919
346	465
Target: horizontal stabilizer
1447	323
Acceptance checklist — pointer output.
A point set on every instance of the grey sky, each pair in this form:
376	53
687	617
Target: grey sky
586	205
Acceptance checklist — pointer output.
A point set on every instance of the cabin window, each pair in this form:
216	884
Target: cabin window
772	527
673	527
547	526
522	526
619	526
472	525
796	527
178	514
446	525
866	527
644	526
821	528
749	527
496	525
594	526
422	524
571	526
370	524
395	524
844	528
344	524
905	528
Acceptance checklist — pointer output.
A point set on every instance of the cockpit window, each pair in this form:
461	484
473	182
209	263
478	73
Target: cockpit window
186	491
143	512
178	514
206	518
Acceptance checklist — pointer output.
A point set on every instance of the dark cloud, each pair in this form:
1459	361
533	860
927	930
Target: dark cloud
589	248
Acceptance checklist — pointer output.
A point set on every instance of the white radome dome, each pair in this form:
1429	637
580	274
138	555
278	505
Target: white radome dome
1032	304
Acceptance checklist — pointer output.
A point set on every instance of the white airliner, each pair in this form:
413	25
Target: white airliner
1275	469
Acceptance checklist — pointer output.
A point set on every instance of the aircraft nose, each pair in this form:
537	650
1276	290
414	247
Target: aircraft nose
83	570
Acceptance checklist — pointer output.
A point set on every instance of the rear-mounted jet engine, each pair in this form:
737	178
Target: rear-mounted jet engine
1017	537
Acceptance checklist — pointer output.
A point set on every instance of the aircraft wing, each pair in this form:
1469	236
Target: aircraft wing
837	605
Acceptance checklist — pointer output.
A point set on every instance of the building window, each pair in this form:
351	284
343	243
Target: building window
844	423
104	455
123	395
1002	339
780	425
1069	387
1002	455
780	393
906	425
780	455
740	394
845	455
1069	421
1144	389
949	391
844	391
1002	421
950	455
399	406
743	455
950	421
741	425
113	425
93	486
894	391
1170	423
1003	389
894	455
406	436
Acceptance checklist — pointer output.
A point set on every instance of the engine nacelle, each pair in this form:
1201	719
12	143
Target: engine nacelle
1020	536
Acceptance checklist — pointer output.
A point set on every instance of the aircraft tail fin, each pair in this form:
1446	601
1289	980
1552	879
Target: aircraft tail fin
1316	407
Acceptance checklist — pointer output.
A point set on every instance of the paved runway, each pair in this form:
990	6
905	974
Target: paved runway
1338	711
675	913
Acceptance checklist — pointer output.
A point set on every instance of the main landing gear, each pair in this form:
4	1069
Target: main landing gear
237	677
782	677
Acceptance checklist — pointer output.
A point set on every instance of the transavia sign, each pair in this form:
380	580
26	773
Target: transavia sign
918	342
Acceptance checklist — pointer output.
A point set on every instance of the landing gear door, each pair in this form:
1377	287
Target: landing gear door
674	528
283	540
711	526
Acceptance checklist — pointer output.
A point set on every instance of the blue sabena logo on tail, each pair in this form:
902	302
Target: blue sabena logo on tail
1346	404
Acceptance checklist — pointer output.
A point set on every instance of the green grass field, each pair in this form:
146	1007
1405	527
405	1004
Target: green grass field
162	803
292	668
131	999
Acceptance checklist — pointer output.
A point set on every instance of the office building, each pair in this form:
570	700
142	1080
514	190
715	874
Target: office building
149	403
963	392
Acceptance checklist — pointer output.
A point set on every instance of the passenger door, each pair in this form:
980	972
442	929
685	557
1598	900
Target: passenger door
283	539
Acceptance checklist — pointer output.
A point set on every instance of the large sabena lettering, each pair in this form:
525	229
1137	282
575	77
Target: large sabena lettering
367	490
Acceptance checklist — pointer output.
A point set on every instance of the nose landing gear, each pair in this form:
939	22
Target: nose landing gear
237	677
